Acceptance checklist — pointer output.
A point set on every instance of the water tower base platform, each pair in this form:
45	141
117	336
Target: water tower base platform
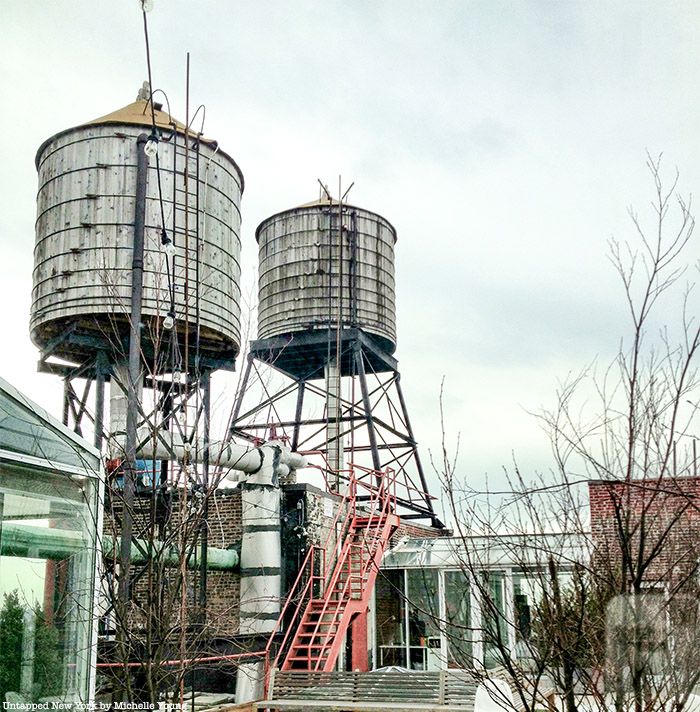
304	355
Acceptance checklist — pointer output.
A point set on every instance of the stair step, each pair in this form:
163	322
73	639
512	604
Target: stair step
315	644
341	585
329	619
310	646
329	613
298	665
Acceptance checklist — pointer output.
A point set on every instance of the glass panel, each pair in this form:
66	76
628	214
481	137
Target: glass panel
23	431
389	596
527	594
493	623
423	616
458	615
47	559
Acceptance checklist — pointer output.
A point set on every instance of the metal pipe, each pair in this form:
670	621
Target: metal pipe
51	543
205	381
353	269
274	457
217	559
135	376
100	372
334	444
335	368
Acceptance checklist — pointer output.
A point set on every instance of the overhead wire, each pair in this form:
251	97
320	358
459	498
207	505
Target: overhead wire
165	239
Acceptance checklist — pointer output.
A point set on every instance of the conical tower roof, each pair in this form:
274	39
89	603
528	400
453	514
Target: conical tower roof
139	113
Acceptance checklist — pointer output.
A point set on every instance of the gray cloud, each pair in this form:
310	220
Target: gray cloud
504	140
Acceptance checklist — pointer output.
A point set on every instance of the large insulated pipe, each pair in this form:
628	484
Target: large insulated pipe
241	459
260	569
142	551
51	543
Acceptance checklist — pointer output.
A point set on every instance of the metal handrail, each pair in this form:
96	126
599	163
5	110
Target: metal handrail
380	504
302	602
380	512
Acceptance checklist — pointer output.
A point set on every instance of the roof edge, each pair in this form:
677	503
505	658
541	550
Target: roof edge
44	415
323	203
138	114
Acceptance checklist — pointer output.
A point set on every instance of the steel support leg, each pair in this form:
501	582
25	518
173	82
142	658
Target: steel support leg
359	658
298	414
419	466
101	367
242	391
360	363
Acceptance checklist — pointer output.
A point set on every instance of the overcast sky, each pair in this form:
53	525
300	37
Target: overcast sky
503	140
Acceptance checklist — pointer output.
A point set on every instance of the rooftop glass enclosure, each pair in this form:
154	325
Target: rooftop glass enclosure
437	606
49	520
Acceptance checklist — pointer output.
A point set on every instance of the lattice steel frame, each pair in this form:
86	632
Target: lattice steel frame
375	418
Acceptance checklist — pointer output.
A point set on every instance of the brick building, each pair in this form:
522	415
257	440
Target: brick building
307	515
647	530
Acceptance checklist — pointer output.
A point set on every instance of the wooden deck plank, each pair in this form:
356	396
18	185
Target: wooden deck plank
370	692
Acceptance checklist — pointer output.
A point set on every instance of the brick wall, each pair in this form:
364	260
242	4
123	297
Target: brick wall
223	587
661	516
413	530
311	523
322	509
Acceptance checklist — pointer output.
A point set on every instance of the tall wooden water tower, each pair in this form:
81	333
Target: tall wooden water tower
326	338
136	280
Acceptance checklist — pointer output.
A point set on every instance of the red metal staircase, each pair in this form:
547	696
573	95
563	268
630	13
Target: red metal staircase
329	596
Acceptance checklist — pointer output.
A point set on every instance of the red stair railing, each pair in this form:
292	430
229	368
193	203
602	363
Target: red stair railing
325	593
301	592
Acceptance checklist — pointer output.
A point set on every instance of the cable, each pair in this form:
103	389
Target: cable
165	240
